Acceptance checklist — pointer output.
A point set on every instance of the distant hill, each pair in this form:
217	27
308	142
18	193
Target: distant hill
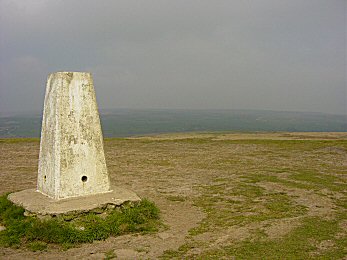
128	122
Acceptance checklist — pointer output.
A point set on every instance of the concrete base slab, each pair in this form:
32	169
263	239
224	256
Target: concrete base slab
36	203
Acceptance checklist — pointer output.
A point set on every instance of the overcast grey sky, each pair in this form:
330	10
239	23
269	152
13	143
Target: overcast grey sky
257	54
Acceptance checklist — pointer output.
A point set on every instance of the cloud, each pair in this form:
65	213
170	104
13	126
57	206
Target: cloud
19	82
280	55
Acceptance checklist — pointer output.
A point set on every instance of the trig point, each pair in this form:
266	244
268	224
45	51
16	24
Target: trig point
72	173
72	161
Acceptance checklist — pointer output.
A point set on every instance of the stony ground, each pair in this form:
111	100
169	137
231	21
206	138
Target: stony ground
222	196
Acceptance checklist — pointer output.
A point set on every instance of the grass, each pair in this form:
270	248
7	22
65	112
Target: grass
301	243
254	206
235	199
37	246
36	234
261	199
110	255
320	180
19	140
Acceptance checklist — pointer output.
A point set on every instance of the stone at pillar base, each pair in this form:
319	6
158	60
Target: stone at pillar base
35	203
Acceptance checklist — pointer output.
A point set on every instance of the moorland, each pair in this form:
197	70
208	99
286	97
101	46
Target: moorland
279	195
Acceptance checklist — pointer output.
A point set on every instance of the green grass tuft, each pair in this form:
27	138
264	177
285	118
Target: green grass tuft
36	234
37	246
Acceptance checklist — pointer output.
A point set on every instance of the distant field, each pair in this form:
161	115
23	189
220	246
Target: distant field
221	195
126	122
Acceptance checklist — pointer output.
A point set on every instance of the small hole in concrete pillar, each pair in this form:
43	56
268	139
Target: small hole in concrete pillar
84	178
45	178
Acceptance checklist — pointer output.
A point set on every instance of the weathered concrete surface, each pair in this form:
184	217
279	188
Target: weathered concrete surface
39	204
71	161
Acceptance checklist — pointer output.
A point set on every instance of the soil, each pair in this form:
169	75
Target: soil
166	172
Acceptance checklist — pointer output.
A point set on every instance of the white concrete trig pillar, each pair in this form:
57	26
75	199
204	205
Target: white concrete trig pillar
71	161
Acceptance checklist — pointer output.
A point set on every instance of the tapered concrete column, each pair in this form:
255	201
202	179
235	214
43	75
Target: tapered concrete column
72	161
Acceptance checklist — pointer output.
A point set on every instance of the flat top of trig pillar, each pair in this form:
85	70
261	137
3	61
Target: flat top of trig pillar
71	72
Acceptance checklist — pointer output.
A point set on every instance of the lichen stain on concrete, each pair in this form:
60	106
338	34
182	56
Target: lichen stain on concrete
71	139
